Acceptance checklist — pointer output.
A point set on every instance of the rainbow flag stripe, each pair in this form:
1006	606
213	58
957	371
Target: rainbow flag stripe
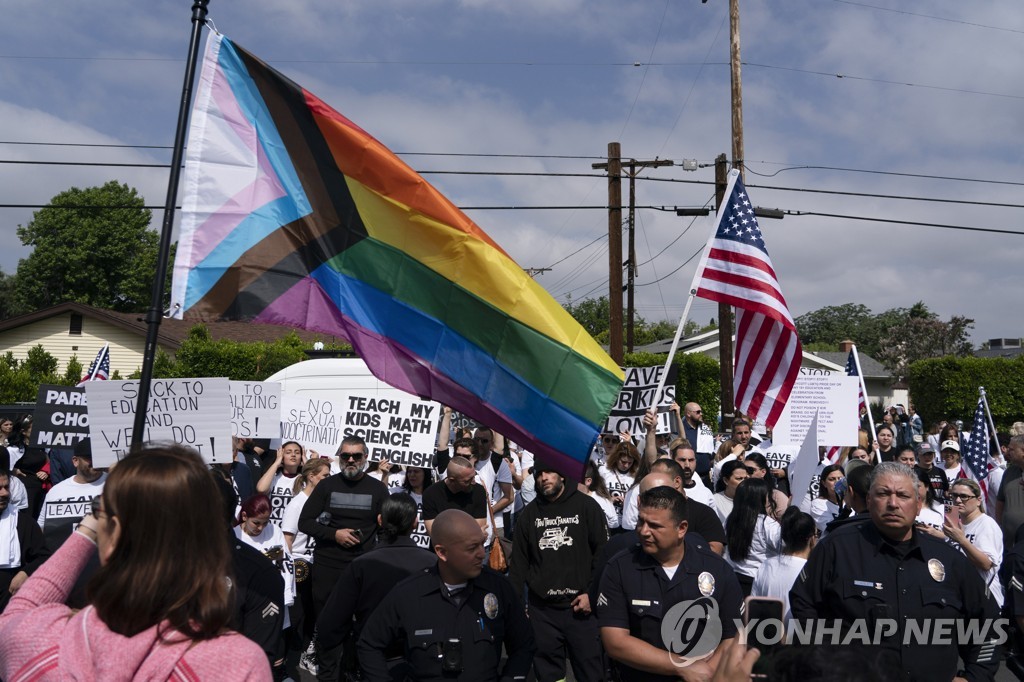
294	215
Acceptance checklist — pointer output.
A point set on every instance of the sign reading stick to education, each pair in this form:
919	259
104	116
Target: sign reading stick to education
191	412
61	417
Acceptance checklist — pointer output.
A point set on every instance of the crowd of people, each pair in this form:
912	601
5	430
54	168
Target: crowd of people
491	565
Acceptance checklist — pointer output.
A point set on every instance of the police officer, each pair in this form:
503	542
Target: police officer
452	619
667	577
890	581
368	579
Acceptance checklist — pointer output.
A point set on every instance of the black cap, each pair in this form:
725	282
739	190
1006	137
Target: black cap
83	449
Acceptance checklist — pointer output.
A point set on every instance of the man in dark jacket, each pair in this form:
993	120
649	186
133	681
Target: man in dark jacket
556	540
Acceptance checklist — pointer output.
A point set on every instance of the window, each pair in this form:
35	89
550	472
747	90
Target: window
75	328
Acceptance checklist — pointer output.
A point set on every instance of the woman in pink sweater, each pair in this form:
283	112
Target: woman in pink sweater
161	601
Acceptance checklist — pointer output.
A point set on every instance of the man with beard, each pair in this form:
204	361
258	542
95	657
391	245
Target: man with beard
341	514
70	500
555	543
701	437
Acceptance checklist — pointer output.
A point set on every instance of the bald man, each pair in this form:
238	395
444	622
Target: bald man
701	437
458	608
459	491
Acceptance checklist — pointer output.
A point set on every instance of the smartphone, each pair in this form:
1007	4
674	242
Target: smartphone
766	628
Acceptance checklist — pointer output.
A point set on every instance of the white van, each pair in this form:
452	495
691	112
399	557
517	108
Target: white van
330	377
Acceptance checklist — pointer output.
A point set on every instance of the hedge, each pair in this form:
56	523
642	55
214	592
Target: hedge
947	388
699	378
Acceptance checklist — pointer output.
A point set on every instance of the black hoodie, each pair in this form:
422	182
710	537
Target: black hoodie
554	546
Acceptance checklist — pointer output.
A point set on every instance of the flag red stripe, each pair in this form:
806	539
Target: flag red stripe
742	259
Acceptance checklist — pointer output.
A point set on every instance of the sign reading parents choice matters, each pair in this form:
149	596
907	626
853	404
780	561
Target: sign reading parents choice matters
192	412
61	418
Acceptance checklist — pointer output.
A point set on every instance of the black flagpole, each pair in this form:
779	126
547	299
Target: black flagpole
155	312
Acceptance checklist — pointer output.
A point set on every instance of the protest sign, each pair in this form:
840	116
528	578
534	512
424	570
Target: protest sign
637	396
805	467
830	395
61	417
778	456
314	422
192	412
400	430
255	409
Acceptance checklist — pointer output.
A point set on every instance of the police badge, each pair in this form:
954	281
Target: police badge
937	570
706	584
491	605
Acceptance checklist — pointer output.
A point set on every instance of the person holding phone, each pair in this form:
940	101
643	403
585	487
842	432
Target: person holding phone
776	576
977	534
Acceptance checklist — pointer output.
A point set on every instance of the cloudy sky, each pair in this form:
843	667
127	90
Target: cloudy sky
839	96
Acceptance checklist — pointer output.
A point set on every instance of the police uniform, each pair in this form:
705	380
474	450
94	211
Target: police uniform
422	615
635	594
859	577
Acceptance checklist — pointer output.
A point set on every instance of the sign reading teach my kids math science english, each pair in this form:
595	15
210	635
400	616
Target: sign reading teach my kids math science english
192	412
400	430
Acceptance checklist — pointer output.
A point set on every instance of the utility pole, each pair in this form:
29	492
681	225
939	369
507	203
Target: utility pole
724	316
614	167
631	271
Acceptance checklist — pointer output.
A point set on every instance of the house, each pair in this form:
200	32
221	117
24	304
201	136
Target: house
1000	348
877	379
75	329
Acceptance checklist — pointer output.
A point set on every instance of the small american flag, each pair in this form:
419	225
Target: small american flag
851	371
99	370
738	271
976	452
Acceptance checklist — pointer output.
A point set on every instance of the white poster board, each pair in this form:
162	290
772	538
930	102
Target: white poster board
192	412
804	468
401	430
833	396
314	422
255	409
637	396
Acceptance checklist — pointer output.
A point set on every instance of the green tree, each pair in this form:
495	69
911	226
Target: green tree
922	336
834	323
91	246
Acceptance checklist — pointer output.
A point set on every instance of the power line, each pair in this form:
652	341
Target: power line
929	16
878	172
596	239
994	230
683	265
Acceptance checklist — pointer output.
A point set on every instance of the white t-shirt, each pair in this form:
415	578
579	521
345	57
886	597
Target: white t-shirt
280	495
610	515
722	506
630	508
267	540
419	534
766	543
984	533
824	511
302	544
66	504
490	480
700	493
954	473
617	483
775	578
933	515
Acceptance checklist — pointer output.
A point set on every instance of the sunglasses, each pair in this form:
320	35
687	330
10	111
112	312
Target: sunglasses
350	456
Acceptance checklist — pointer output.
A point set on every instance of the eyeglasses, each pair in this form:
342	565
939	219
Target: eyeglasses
351	456
609	439
698	411
961	496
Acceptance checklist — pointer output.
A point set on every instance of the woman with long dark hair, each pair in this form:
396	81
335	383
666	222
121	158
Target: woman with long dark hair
752	535
159	605
826	507
776	576
757	466
733	473
417	479
595	487
278	482
619	472
29	464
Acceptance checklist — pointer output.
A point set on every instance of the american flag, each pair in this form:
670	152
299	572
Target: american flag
851	371
99	370
739	272
976	451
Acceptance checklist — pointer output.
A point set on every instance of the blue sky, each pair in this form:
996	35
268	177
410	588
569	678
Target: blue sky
934	92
